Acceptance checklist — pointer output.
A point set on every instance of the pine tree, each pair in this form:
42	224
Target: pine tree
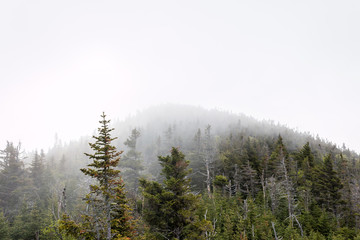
196	161
28	223
108	217
37	169
304	177
249	180
306	154
39	180
327	185
131	163
346	179
4	227
275	159
169	208
12	180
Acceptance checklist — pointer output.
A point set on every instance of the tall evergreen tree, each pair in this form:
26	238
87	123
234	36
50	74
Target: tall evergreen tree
196	161
28	223
170	207
346	179
306	154
37	169
12	180
39	180
4	227
275	159
304	176
109	213
327	186
131	163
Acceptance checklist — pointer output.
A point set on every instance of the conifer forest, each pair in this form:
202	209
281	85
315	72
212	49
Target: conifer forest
181	172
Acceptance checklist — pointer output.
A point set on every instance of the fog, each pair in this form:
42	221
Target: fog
63	63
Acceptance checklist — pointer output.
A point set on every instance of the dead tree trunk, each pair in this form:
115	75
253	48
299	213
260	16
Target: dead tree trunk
288	189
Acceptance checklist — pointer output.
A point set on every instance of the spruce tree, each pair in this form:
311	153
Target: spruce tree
304	176
4	227
306	154
28	223
108	217
170	207
131	163
196	157
275	159
327	185
39	180
12	180
346	178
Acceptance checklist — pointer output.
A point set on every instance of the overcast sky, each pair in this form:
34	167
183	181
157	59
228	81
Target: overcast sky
64	62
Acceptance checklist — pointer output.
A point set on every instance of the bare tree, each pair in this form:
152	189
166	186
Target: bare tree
248	177
275	191
208	157
288	187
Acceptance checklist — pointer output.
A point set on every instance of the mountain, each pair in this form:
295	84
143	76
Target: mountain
167	125
249	179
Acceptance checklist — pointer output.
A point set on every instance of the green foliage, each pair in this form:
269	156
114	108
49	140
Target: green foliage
345	233
327	185
169	208
247	187
291	233
4	227
275	159
316	236
305	153
305	175
131	163
72	229
40	178
220	181
52	231
258	222
28	224
229	224
108	214
324	224
12	180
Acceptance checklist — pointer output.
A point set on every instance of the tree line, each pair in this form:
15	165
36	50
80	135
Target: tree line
234	186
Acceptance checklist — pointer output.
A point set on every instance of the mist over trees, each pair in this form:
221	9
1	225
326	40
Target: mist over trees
182	172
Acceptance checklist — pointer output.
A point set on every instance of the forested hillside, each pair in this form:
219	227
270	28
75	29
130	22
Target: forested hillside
184	173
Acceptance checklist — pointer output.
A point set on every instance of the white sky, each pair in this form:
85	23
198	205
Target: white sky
63	62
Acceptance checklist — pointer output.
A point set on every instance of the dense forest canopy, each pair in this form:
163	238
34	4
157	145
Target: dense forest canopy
182	172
